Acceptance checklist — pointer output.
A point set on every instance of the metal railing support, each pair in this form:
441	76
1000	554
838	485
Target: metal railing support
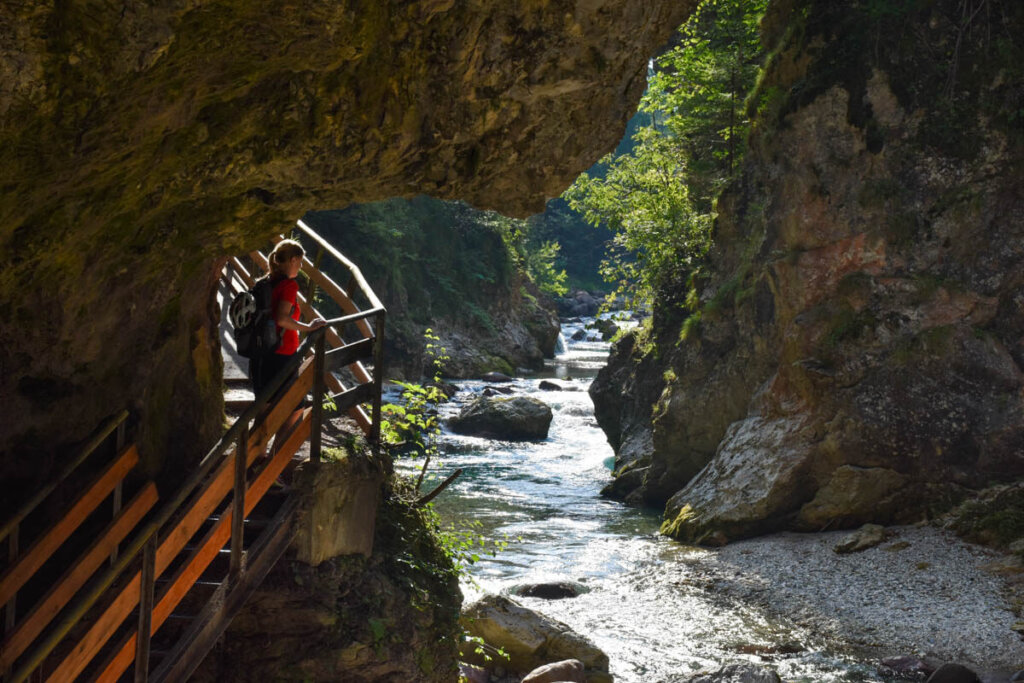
319	389
12	555
146	591
378	380
119	443
238	501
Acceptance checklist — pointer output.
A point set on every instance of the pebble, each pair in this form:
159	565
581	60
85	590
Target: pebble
951	608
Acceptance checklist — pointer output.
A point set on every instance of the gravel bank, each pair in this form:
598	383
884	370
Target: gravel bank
922	592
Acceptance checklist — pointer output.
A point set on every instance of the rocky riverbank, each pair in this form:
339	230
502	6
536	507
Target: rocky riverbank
922	593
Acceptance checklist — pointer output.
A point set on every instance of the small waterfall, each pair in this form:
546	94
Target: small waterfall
561	346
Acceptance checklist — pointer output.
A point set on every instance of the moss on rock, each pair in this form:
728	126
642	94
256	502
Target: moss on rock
392	617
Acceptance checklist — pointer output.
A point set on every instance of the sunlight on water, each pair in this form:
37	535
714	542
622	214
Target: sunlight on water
643	606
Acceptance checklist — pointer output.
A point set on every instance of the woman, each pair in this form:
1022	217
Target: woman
285	265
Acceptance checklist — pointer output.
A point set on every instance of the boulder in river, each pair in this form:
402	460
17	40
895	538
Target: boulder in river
496	391
906	667
473	674
447	388
579	335
953	673
496	377
577	304
552	590
868	536
530	639
733	673
568	671
606	328
519	418
546	385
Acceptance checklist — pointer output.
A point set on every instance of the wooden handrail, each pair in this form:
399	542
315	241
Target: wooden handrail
27	565
76	576
357	274
91	445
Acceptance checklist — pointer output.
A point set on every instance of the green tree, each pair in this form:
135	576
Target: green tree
658	197
698	91
644	198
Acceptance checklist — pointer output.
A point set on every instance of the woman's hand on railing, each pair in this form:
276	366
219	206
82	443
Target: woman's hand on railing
316	324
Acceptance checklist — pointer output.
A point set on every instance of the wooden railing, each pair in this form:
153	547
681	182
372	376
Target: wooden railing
95	625
20	567
346	351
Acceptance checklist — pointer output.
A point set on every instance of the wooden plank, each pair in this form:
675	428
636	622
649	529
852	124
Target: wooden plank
172	596
243	274
16	576
353	269
216	538
336	293
275	467
346	355
101	434
319	390
66	587
118	610
354	396
282	409
190	651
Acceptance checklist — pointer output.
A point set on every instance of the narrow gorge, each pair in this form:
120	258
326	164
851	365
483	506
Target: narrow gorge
789	446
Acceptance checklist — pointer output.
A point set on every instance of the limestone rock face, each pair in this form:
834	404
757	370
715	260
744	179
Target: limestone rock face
142	143
860	352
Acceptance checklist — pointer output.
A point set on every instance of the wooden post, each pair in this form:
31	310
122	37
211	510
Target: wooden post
378	380
146	586
319	387
238	502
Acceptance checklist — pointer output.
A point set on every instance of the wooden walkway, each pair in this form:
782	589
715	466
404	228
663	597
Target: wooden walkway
144	588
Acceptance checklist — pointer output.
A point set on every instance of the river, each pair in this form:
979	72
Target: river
641	607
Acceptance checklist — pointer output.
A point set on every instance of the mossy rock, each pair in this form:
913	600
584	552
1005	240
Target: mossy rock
995	517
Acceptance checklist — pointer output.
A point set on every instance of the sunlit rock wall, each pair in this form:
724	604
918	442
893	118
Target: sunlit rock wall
141	142
860	347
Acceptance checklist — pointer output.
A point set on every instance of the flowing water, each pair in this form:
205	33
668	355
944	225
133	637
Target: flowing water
641	606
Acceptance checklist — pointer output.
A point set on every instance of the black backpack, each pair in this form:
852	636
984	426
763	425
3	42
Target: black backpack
254	328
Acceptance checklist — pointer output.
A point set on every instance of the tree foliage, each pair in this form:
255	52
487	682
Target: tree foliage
658	198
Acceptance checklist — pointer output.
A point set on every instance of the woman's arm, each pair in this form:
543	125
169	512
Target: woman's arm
283	318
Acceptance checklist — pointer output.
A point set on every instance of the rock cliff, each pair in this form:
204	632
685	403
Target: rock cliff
858	352
140	143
